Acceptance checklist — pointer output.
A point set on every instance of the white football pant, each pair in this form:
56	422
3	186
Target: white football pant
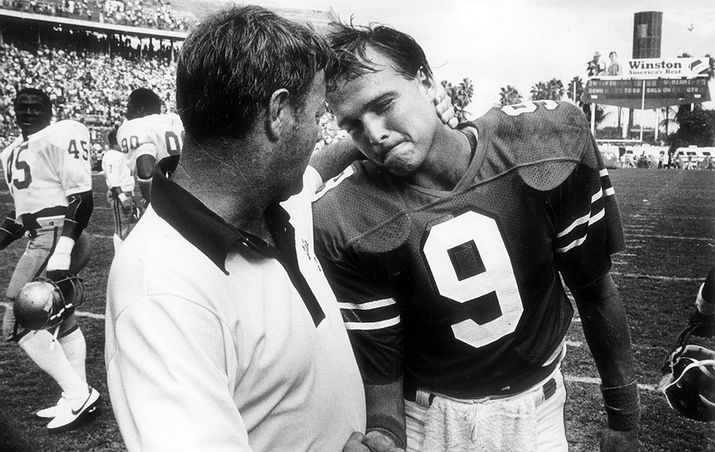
524	422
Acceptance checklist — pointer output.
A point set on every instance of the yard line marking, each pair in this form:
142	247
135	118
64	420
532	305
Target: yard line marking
12	206
670	237
658	277
597	381
91	315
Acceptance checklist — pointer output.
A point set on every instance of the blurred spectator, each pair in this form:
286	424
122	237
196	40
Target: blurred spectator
595	66
614	67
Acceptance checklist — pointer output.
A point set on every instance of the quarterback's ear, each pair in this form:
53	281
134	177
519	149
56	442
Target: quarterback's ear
279	114
426	81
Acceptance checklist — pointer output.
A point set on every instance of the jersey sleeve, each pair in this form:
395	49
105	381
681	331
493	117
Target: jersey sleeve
370	310
71	143
587	221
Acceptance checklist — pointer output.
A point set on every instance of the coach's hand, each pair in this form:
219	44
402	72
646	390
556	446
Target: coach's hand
619	440
443	105
371	442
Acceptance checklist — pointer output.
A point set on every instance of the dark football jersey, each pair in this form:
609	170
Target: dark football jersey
460	290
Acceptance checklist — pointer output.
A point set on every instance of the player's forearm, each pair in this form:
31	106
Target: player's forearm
333	158
606	329
79	210
386	411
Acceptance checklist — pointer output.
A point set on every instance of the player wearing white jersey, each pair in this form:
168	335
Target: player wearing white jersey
47	171
148	136
120	189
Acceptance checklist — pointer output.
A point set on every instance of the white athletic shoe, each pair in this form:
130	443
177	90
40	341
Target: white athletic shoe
49	412
71	413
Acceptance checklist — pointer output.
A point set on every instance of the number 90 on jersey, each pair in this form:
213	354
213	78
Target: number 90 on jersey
470	264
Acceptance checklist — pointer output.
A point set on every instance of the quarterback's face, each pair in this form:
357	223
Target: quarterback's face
390	118
31	114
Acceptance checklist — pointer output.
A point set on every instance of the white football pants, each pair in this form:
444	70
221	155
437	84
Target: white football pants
528	421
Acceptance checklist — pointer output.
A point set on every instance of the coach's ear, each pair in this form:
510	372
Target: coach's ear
279	114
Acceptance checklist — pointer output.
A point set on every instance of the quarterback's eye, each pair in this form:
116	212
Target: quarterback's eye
384	106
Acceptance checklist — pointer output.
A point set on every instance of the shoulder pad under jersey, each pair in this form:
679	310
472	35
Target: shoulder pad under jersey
542	140
62	132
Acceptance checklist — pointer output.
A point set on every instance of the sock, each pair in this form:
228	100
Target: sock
75	349
38	346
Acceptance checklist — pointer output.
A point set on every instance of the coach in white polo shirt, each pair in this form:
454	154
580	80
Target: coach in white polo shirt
222	333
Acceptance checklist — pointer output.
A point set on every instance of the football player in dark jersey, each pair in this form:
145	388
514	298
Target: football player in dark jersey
446	250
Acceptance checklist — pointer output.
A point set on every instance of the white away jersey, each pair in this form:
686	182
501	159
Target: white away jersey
159	135
116	170
51	165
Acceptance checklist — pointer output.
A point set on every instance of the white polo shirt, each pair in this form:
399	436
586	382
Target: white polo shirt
216	342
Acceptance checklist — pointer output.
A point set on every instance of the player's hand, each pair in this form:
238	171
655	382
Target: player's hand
443	105
371	442
355	444
705	324
125	200
619	440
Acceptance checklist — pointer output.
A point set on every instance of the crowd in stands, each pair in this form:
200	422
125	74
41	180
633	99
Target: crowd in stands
86	86
91	87
136	13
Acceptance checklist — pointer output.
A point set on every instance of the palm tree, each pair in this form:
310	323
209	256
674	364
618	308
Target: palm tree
509	96
539	91
556	89
575	90
551	90
461	96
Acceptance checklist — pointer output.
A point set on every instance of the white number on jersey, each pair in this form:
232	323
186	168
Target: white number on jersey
488	275
528	107
173	145
16	166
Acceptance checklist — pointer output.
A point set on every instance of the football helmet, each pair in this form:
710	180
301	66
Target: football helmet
689	381
43	303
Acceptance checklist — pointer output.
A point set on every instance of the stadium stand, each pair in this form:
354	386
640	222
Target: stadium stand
136	13
91	87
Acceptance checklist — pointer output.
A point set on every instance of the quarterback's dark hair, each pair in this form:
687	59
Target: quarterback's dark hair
46	102
350	43
232	63
143	102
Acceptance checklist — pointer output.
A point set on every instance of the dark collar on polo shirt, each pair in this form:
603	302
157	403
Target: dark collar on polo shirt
215	238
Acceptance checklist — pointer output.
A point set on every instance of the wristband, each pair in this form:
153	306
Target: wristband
622	406
122	198
388	426
62	255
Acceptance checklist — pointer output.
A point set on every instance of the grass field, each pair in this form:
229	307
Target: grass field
669	221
